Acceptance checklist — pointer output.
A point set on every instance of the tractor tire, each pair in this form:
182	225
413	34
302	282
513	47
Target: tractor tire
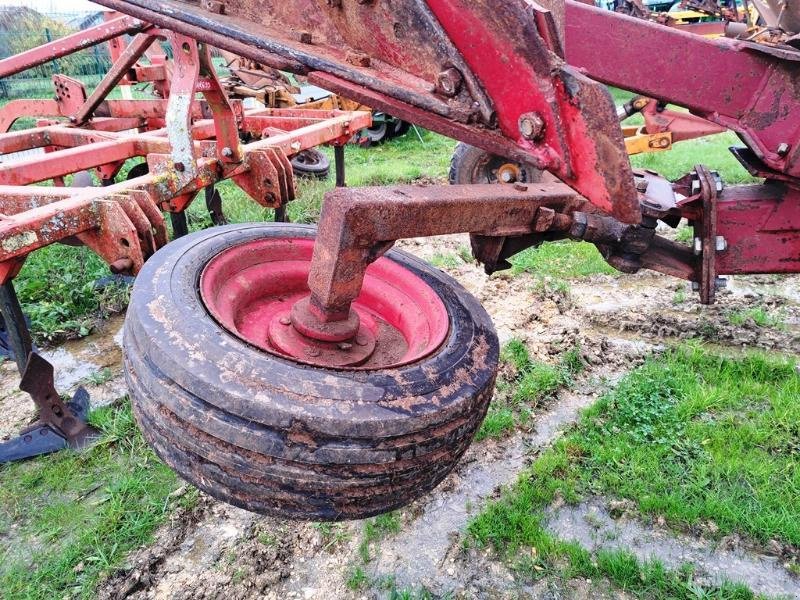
273	436
470	165
311	164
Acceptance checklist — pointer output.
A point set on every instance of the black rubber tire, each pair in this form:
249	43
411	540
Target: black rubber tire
470	165
276	437
377	133
398	128
311	163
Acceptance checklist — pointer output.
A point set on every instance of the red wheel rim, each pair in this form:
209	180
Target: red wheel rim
250	288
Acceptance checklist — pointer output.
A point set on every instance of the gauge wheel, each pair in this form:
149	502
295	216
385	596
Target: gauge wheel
223	406
471	165
311	163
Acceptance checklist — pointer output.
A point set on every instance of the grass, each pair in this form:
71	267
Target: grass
691	436
333	534
67	305
357	580
69	518
522	388
375	530
562	260
760	316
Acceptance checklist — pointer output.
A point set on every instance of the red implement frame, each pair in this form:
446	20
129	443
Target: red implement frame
516	78
520	79
188	145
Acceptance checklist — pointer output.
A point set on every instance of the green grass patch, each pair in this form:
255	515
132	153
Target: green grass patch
333	534
562	260
523	386
66	305
357	579
375	530
690	435
760	316
76	515
712	151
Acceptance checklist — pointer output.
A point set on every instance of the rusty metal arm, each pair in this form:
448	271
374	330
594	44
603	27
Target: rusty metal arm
119	69
358	225
71	43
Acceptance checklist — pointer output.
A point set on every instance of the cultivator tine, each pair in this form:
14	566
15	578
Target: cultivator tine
180	226
214	206
19	337
60	424
338	161
140	222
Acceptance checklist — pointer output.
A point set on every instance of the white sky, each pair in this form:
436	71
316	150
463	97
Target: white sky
54	6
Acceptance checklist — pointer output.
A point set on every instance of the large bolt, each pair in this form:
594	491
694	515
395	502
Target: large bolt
448	82
783	149
227	152
531	126
305	37
180	167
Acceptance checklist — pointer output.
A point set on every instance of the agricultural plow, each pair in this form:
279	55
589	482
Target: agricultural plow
318	374
123	222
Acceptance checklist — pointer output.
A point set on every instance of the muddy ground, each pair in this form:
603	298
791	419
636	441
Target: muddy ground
217	551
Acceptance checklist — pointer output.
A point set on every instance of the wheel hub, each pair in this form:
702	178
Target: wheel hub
258	291
509	173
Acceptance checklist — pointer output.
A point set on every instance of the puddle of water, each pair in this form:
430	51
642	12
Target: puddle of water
76	363
592	526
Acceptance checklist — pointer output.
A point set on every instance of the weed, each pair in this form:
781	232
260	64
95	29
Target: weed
420	593
100	377
68	305
442	260
684	234
332	534
679	297
465	254
266	538
357	580
528	386
515	352
561	260
375	530
551	287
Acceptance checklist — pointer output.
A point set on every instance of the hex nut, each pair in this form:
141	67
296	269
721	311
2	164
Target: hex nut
531	126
